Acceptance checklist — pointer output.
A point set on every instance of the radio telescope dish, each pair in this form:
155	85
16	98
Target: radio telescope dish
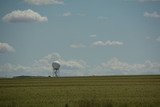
56	66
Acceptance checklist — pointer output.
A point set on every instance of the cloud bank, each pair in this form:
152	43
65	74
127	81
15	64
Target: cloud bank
113	66
24	16
151	14
107	43
43	66
44	2
5	47
116	64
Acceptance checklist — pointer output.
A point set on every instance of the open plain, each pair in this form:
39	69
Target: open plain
94	91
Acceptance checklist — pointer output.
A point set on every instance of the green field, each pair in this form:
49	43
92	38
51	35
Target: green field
105	91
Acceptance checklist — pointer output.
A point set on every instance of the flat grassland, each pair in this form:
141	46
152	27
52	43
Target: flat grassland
95	91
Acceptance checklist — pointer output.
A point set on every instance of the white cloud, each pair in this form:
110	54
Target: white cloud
115	66
152	14
67	14
12	67
24	16
153	39
45	62
73	64
93	35
44	2
68	67
107	43
43	66
102	17
5	47
158	39
79	45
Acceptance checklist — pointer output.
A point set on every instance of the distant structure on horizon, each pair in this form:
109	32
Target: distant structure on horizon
56	66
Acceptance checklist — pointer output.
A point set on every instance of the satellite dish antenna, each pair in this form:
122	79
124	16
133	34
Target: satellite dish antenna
56	66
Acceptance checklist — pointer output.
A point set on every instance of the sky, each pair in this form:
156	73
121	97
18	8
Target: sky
87	37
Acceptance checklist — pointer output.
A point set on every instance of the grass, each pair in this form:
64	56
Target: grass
105	91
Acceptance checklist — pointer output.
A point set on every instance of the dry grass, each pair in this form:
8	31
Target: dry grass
113	91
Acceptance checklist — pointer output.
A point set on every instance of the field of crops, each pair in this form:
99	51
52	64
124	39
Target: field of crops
105	91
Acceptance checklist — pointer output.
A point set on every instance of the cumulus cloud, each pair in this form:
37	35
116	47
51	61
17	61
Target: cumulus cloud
73	64
67	14
107	43
13	67
102	17
153	39
113	66
116	66
43	66
5	47
24	16
44	2
152	14
93	35
79	45
46	61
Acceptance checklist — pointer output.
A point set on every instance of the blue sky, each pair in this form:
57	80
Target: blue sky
88	37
